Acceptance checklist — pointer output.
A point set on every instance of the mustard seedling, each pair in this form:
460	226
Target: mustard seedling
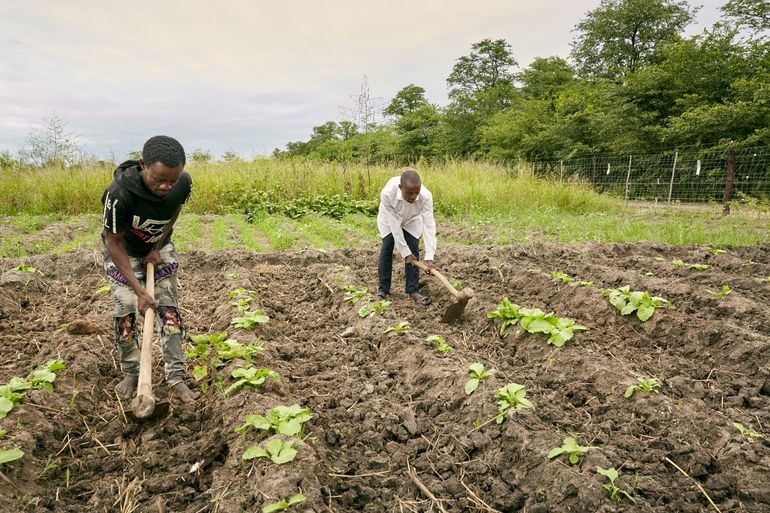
200	371
370	309
681	264
571	448
506	312
284	504
646	385
561	276
104	289
716	251
584	283
241	298
720	293
616	494
442	347
477	373
629	302
204	342
250	319
276	450
678	263
747	432
354	295
509	398
559	329
250	376
285	420
9	455
26	268
398	328
700	267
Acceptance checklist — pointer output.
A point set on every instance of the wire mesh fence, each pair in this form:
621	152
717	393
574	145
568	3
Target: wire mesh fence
675	176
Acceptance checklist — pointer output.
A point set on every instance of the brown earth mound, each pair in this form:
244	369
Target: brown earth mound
392	428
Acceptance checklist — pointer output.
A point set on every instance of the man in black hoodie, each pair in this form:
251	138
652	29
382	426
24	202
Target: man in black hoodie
140	208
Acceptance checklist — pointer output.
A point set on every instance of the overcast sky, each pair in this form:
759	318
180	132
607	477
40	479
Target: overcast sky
245	75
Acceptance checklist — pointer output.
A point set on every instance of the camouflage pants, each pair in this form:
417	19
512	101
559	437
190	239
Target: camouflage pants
167	320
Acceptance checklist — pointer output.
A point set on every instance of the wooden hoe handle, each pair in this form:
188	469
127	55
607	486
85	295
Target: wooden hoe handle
144	404
441	278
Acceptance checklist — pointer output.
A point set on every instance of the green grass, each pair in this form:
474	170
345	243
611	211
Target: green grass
476	203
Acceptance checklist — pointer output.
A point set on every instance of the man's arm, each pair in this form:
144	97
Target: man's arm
115	247
429	230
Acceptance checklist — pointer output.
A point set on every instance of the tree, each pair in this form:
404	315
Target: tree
620	36
231	156
406	101
481	84
201	156
753	14
489	65
544	78
52	144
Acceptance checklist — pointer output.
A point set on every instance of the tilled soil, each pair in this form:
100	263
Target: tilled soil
392	427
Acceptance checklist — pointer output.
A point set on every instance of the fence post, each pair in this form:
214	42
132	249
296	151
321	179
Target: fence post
561	170
729	182
628	176
673	172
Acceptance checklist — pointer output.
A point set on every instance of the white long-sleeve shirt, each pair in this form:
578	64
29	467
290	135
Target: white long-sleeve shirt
416	218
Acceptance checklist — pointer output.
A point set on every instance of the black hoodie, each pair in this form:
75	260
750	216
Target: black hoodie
131	208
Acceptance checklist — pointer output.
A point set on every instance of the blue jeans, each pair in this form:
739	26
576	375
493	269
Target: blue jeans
385	267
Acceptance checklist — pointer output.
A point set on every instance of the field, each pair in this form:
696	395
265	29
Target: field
385	404
392	427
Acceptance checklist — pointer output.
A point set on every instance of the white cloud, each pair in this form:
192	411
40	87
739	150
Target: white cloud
240	74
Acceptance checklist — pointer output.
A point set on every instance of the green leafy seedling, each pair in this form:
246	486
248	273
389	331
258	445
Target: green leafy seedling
200	371
232	276
678	263
700	267
456	283
250	376
564	277
720	293
506	312
284	504
370	309
353	295
640	302
572	449
277	450
476	373
204	342
250	319
616	494
559	329
583	283
26	268
646	385
511	397
716	251
231	349
104	289
442	347
43	377
9	455
747	432
285	420
2	433
398	328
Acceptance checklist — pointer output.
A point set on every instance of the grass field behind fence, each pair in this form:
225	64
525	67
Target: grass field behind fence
477	204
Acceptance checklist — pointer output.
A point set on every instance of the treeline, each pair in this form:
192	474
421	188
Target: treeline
632	83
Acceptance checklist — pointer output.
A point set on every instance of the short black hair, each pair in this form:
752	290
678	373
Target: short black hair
163	149
410	176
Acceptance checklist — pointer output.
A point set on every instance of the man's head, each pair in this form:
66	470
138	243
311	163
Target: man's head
410	185
162	163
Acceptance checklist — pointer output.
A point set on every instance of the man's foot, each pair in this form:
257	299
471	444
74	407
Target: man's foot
127	387
183	393
419	298
381	294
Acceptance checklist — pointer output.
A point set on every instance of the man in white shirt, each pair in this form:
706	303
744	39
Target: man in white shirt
405	215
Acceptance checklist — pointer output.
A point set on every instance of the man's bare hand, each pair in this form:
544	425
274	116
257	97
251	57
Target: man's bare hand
146	301
153	257
411	260
429	265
